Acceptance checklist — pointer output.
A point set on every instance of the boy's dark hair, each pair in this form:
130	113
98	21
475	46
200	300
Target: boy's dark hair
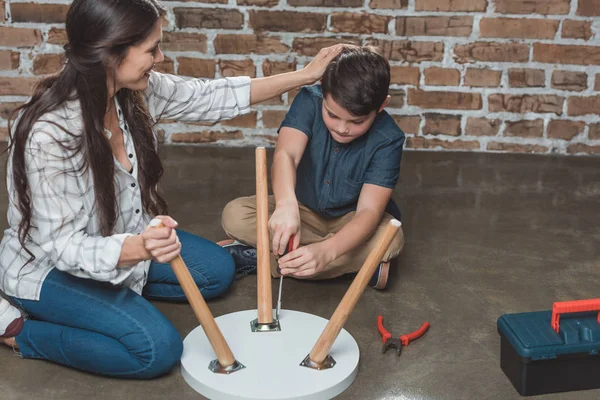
358	79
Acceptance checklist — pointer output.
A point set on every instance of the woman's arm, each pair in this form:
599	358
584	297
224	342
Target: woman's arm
183	99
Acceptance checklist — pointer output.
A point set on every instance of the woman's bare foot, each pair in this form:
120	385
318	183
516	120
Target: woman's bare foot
11	342
11	322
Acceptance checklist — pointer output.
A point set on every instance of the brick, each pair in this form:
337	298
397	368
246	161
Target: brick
526	77
567	130
291	95
48	63
533	6
206	136
409	51
196	67
39	13
588	8
450	5
566	54
527	28
261	3
277	67
594	133
326	3
359	22
425	143
237	68
242	121
2	11
491	51
396	98
583	148
57	36
576	29
482	126
184	41
166	67
597	83
19	37
9	59
434	26
311	46
528	128
436	76
482	77
404	75
247	44
394	4
441	124
3	134
6	109
569	80
208	18
516	147
272	118
17	86
583	105
287	21
544	103
408	123
444	100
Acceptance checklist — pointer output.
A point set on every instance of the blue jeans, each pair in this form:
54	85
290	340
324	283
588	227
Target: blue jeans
108	330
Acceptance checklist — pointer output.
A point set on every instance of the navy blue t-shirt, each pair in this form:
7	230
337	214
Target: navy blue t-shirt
330	175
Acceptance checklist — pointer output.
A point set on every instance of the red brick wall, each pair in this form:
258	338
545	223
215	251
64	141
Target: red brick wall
478	75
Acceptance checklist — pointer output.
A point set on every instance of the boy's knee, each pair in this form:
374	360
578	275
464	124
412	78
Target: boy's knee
397	244
235	213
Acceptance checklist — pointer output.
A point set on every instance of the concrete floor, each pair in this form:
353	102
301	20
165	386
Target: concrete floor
485	235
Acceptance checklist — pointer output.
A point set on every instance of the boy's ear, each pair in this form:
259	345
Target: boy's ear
385	103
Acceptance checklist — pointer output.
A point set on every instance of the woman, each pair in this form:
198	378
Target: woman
82	176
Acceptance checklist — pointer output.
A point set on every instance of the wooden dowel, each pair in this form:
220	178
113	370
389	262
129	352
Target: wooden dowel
346	306
263	272
203	314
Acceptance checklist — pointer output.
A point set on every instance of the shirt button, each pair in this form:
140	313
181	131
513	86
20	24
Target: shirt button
337	149
131	156
328	181
137	211
133	185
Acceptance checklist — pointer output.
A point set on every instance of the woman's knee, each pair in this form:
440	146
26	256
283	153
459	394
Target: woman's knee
162	351
224	271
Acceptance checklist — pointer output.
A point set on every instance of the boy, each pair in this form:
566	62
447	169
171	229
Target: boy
336	163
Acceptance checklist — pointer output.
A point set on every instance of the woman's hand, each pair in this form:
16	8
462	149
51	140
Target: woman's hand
162	243
284	223
306	261
316	68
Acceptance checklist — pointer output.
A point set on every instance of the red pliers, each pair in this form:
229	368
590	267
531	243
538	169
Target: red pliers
389	342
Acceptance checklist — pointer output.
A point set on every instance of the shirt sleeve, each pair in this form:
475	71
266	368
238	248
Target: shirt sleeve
59	216
384	168
302	113
195	99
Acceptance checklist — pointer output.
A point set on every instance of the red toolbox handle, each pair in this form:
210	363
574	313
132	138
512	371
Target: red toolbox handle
563	307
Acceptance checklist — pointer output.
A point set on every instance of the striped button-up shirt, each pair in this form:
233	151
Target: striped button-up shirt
65	230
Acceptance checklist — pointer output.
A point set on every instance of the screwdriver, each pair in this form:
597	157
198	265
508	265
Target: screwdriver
287	250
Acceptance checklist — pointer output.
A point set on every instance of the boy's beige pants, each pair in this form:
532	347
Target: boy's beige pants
239	222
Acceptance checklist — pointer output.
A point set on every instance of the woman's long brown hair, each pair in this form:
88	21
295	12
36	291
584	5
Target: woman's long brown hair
100	33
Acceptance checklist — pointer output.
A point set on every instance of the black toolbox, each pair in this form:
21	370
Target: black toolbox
540	352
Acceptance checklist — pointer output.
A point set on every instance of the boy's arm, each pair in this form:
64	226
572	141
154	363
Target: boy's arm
372	202
285	221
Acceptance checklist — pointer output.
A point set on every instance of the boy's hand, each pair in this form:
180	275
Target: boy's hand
284	223
306	261
316	68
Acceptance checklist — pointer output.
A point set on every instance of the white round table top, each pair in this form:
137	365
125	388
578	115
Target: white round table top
271	360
